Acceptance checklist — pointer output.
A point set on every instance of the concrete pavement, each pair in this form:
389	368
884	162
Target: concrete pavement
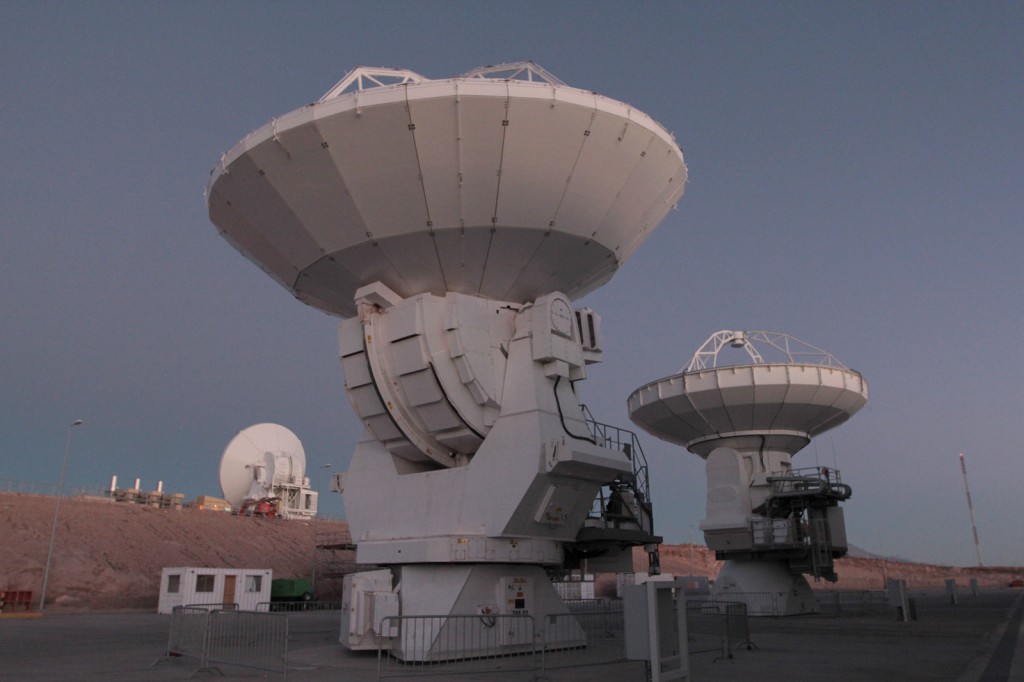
978	640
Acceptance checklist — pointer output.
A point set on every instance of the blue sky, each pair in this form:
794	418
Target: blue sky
856	179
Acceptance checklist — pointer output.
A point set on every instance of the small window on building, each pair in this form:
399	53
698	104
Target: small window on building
253	583
204	583
309	501
173	583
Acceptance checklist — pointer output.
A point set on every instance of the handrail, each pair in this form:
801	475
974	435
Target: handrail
809	481
626	442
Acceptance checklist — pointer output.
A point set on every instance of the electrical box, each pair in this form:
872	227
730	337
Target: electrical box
836	528
556	341
515	598
367	600
589	324
654	616
384	605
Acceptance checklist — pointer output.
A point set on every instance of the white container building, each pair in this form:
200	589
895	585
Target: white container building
243	588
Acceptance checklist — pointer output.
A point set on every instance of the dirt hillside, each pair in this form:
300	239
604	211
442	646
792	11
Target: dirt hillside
109	555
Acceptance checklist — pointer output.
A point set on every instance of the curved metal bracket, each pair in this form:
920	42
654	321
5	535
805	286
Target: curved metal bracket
366	77
757	344
518	71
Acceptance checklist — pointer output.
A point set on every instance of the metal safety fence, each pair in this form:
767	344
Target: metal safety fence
15	600
456	645
213	606
593	633
188	632
27	487
852	601
598	615
593	605
247	639
757	603
321	622
717	626
295	606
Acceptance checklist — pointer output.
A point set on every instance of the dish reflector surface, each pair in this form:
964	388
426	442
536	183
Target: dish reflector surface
498	187
707	405
785	403
262	453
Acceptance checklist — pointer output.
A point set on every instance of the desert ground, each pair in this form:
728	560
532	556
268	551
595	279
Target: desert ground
109	555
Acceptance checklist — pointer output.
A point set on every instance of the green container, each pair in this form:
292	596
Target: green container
290	589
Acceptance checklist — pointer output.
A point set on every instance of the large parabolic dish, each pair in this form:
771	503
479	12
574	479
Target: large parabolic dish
784	403
502	183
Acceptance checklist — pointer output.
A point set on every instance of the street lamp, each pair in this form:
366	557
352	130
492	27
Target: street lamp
56	512
312	585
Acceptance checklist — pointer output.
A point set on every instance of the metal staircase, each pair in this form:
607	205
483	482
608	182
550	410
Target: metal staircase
622	515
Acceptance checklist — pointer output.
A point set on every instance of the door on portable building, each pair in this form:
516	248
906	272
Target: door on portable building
229	589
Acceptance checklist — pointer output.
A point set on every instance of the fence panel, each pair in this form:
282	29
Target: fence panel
717	625
455	645
314	626
737	626
187	636
758	603
852	601
706	629
294	606
246	639
249	639
587	637
589	605
213	606
15	600
27	487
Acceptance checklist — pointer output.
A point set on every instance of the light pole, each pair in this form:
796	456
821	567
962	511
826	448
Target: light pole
56	512
693	563
312	585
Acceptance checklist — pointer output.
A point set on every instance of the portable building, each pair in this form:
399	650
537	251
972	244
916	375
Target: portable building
241	588
208	502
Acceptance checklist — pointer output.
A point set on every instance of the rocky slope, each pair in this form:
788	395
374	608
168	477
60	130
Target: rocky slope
110	555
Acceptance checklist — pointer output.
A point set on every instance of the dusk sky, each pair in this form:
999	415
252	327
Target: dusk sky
856	179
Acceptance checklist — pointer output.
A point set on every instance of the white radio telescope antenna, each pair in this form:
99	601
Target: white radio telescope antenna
769	521
267	461
451	223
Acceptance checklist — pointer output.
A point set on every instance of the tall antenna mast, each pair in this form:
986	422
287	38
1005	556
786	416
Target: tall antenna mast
970	508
